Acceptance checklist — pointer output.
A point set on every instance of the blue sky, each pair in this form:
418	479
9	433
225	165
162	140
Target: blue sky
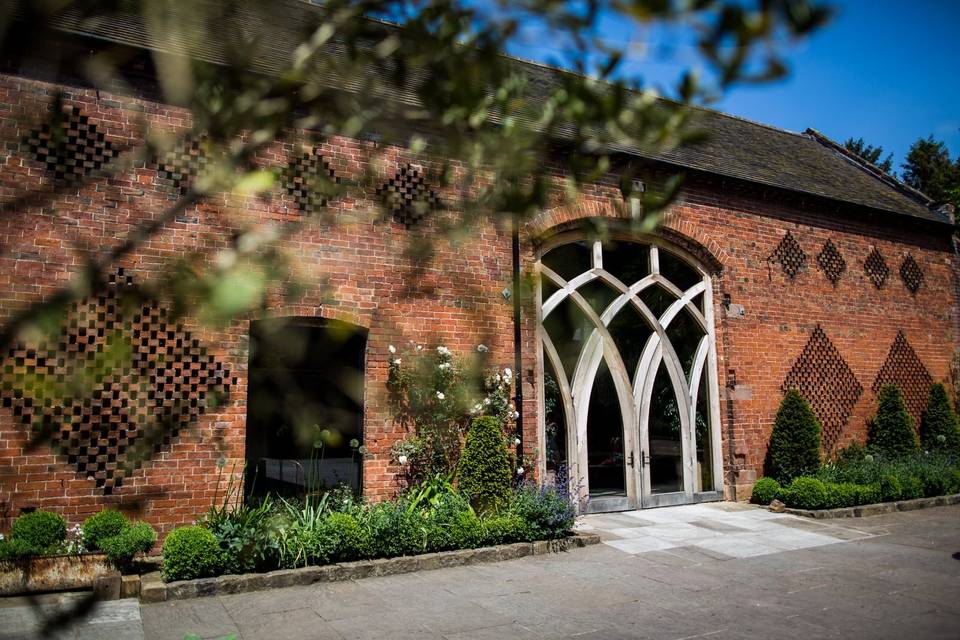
884	70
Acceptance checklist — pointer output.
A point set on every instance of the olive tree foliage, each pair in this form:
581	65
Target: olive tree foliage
435	70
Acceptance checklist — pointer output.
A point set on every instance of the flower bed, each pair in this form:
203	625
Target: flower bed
43	555
866	480
429	518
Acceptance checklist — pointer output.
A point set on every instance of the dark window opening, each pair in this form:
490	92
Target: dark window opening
304	406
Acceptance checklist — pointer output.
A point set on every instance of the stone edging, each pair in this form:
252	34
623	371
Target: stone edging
875	509
153	589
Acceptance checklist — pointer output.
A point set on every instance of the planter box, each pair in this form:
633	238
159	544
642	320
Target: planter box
53	573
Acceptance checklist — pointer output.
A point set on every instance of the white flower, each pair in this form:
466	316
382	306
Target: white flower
516	441
443	365
402	459
497	377
440	395
520	471
516	414
478	407
507	374
486	401
419	347
482	348
443	350
392	349
397	361
1	537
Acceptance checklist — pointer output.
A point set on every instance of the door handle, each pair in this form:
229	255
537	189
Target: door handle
644	459
630	461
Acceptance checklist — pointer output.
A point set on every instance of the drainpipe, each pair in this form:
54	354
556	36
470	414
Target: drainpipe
517	344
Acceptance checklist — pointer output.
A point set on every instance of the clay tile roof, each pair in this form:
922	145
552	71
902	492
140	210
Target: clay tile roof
806	163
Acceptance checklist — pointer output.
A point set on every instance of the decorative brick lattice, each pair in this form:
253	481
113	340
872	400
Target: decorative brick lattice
824	378
831	262
790	256
876	268
911	274
304	176
408	197
180	166
904	368
71	147
125	410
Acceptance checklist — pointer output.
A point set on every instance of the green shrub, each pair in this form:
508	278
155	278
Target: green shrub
891	489
100	526
394	531
39	530
765	491
939	427
505	529
349	538
891	430
795	440
953	481
912	488
548	511
853	452
136	538
191	552
805	493
484	469
16	550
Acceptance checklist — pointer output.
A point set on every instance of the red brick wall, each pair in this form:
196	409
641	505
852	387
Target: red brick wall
356	268
741	227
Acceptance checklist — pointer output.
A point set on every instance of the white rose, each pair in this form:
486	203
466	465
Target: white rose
516	441
519	471
440	395
443	351
402	459
397	361
516	414
392	349
482	348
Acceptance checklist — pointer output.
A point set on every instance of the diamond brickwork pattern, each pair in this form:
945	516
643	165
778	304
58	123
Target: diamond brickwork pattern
831	262
123	413
904	368
181	165
911	274
876	268
790	256
827	382
71	147
408	197
302	177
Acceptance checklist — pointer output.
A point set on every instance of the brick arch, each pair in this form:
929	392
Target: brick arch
677	230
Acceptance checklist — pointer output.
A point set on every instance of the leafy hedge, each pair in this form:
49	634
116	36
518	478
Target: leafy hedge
795	440
428	518
891	430
873	479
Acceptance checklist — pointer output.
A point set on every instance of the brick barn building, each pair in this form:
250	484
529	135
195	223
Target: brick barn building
651	365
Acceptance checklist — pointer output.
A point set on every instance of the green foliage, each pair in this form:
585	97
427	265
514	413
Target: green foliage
452	524
136	538
795	440
504	529
349	538
484	475
805	493
765	491
14	549
394	530
548	511
39	530
891	430
100	526
191	552
928	168
939	427
247	536
870	153
853	452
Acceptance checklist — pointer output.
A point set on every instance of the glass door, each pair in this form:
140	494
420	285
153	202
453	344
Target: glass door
628	356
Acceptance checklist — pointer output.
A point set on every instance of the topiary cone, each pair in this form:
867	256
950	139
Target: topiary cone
891	430
484	475
795	440
940	427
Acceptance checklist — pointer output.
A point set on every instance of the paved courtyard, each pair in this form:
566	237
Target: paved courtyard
705	571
